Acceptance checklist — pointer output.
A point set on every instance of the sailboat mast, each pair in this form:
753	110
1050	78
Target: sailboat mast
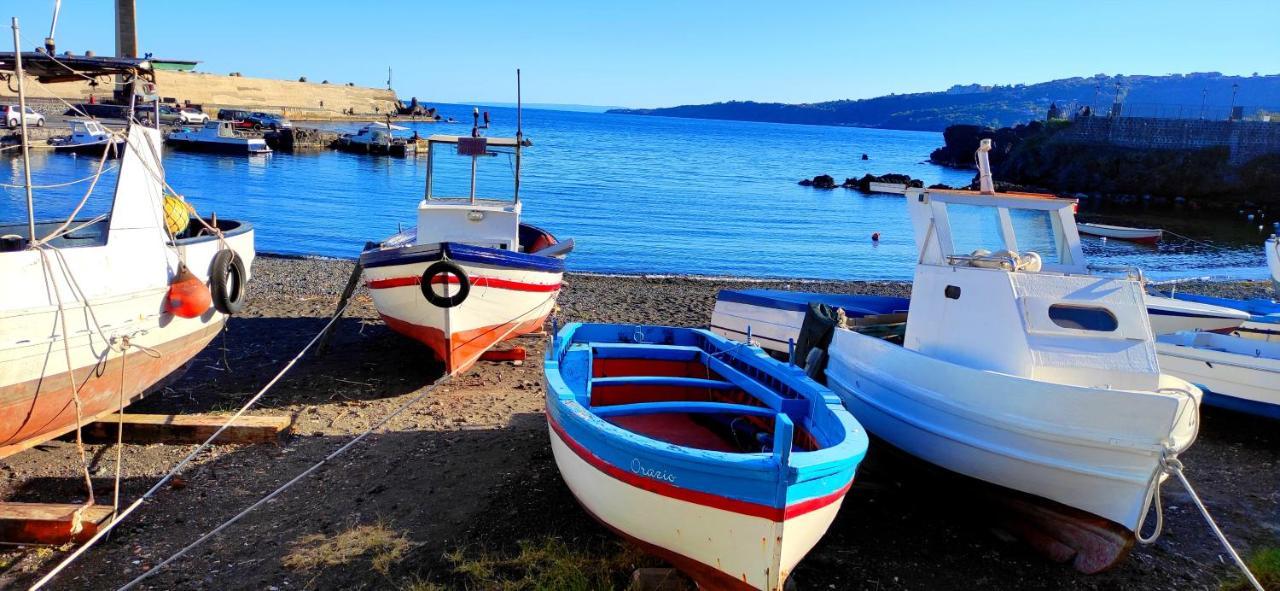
519	134
22	116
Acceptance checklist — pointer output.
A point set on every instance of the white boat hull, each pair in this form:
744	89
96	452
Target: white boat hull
1093	449
1246	372
729	542
1169	315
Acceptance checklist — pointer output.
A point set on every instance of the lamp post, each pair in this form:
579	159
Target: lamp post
1235	88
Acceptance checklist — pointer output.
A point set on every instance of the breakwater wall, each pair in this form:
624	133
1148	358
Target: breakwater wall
1246	140
296	100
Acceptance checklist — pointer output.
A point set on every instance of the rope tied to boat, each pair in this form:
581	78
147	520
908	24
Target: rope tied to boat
1173	466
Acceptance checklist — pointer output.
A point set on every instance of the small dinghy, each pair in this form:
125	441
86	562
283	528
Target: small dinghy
703	451
1235	372
88	137
773	318
470	274
377	139
1140	235
1024	371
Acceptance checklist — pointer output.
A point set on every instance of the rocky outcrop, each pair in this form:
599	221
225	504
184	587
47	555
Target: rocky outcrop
961	141
822	181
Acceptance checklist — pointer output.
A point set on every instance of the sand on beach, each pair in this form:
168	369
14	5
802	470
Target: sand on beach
469	467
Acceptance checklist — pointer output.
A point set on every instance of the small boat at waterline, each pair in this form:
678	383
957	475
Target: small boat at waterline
1235	372
377	139
702	451
219	137
470	275
1140	235
90	138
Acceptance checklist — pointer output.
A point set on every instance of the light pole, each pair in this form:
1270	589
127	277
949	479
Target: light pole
1235	87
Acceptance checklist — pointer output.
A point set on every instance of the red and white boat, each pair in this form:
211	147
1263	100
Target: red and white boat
99	311
470	275
1142	235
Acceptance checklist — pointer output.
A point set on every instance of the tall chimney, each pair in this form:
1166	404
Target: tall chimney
126	28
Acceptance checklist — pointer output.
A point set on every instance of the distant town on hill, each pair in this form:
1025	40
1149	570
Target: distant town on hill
1206	95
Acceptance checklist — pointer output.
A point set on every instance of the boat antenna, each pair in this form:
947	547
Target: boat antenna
985	185
22	116
519	134
48	41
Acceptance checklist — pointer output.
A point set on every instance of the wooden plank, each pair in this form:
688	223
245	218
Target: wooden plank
179	429
49	523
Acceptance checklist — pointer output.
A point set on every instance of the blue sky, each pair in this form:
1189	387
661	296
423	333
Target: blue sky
660	52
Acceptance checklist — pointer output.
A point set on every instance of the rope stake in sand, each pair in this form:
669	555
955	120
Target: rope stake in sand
169	476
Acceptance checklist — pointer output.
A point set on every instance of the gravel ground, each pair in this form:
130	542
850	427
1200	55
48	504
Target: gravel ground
470	466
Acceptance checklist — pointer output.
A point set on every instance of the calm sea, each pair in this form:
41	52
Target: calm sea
639	195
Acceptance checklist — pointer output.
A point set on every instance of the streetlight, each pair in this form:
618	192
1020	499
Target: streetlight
1235	87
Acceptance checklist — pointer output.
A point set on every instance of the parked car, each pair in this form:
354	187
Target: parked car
239	119
268	121
13	116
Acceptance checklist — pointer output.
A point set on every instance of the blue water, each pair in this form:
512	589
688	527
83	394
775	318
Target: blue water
639	195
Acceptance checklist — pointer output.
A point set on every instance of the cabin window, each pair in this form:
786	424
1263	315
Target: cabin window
1083	318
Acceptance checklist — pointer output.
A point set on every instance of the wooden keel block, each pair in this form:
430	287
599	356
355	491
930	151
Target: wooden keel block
184	429
512	354
49	523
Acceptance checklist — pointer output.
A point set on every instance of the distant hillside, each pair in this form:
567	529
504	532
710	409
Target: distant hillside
1002	106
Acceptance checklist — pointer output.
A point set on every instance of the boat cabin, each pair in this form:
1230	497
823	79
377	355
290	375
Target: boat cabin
87	131
492	222
1021	300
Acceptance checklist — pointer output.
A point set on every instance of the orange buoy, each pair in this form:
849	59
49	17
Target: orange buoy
188	297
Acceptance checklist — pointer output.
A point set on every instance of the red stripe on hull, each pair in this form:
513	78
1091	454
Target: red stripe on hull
475	282
38	410
694	496
461	350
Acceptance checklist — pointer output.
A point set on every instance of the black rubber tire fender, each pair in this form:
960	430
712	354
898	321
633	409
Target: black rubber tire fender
445	268
227	282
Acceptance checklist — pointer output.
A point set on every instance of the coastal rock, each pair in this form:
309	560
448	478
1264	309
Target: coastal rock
864	184
822	181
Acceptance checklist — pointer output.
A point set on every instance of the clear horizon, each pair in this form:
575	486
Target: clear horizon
669	53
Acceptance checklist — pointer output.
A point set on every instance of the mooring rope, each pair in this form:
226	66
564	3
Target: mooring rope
273	494
1174	466
186	460
514	322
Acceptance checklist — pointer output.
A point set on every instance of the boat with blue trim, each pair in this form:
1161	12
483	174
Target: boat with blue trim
90	138
219	137
772	318
470	274
703	451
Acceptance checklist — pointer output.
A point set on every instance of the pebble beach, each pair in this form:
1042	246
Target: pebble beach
467	471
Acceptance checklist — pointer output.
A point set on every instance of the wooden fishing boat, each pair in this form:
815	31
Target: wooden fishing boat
88	137
773	318
104	310
1062	398
219	137
1140	235
470	274
1235	372
705	452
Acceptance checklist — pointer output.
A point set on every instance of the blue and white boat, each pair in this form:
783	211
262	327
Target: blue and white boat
773	317
706	452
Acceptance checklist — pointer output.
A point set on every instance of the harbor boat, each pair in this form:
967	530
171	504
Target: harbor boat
378	139
1027	372
1170	315
88	137
101	311
1262	314
1235	372
1140	235
773	318
218	137
470	274
881	187
705	452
